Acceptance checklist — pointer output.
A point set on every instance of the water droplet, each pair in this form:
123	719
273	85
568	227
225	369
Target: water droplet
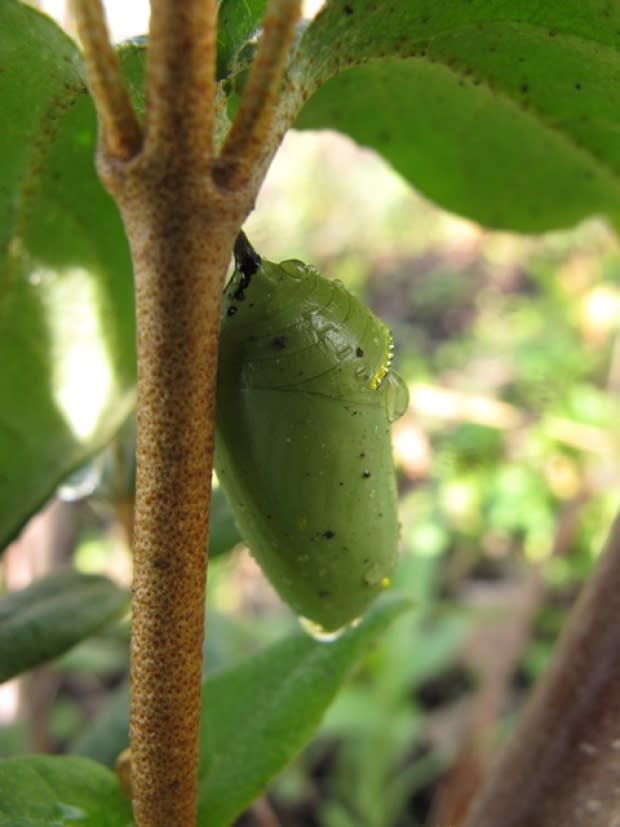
396	396
295	268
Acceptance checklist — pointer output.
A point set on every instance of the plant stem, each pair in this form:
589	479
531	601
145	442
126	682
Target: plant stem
181	220
250	133
180	260
180	79
563	762
120	130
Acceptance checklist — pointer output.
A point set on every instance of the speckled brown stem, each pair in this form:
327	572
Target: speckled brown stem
120	130
562	765
181	219
180	257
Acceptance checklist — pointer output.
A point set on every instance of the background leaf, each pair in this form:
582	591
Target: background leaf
109	734
66	295
506	113
42	621
46	791
260	713
237	21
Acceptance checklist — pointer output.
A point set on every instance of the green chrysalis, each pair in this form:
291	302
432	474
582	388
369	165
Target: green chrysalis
305	398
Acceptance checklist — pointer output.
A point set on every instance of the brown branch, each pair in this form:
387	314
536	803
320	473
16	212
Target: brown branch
245	143
120	130
563	763
180	78
181	234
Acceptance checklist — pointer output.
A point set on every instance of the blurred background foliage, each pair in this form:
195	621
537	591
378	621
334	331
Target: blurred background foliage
507	471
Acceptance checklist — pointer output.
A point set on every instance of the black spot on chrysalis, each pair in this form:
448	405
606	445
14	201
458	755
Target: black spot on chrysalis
247	262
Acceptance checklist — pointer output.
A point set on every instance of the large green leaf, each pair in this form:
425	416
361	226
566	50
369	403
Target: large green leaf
507	112
66	294
45	791
42	621
260	713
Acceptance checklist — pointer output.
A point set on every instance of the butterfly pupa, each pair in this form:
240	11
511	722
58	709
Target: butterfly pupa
305	398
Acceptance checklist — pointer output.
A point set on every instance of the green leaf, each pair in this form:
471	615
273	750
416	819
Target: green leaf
260	713
66	295
237	21
506	113
45	791
42	621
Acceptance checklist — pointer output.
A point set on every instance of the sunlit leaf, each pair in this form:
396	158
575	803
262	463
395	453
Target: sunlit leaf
66	296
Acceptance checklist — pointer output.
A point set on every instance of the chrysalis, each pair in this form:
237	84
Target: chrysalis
305	399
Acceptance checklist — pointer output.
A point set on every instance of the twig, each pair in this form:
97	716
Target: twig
246	141
180	78
181	224
120	130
